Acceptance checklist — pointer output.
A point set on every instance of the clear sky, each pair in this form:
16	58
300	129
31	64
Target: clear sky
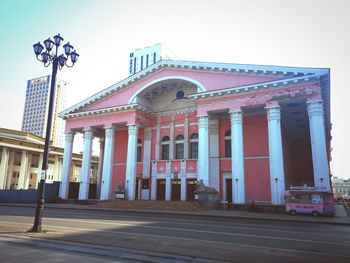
309	33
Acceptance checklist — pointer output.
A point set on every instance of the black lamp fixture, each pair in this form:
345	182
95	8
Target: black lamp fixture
48	54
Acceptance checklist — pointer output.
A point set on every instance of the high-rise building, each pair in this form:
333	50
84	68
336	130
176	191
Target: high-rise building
141	58
37	105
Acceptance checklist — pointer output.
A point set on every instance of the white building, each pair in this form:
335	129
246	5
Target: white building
21	157
142	58
36	108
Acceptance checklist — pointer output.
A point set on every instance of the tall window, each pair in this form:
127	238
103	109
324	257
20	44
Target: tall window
228	143
165	148
179	147
194	146
139	150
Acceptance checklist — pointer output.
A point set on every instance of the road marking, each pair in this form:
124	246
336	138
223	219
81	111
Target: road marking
197	231
73	229
294	229
202	240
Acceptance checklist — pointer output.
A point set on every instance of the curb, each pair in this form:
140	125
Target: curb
294	220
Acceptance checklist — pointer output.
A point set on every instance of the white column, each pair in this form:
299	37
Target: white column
318	144
23	170
107	170
168	187
28	169
147	152
10	169
131	162
157	140
183	196
38	175
203	150
171	141
4	167
56	168
86	165
277	178
154	181
238	191
186	137
67	160
100	168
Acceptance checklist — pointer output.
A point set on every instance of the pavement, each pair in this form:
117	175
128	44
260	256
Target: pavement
336	220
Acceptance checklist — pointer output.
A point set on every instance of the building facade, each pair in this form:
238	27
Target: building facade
21	160
248	131
142	58
37	105
341	188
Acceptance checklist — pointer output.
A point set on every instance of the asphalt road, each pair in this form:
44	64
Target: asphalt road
143	237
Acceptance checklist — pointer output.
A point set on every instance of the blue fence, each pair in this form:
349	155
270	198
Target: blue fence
30	196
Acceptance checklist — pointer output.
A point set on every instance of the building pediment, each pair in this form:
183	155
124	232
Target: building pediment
201	79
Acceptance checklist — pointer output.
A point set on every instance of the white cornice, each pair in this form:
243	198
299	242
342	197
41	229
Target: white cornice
255	87
108	110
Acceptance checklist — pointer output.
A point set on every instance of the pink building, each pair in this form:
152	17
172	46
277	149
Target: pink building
248	131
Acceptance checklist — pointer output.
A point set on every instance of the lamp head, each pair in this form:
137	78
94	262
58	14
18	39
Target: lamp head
74	56
58	39
49	44
38	48
67	48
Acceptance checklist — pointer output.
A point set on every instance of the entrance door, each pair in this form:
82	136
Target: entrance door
175	189
191	188
229	190
161	189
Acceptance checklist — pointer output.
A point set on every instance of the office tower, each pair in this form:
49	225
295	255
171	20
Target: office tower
141	58
36	108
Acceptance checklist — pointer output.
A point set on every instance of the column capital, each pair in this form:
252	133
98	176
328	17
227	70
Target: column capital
109	132
133	129
69	136
203	121
273	113
236	117
315	108
88	134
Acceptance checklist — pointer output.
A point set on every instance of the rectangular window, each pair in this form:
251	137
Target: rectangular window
165	152
134	65
145	183
154	57
179	149
139	154
141	62
147	60
194	150
227	148
130	69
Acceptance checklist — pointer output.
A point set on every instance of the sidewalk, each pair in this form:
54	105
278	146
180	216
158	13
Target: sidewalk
206	213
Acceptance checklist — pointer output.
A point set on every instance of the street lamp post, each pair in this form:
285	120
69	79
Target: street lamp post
48	57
